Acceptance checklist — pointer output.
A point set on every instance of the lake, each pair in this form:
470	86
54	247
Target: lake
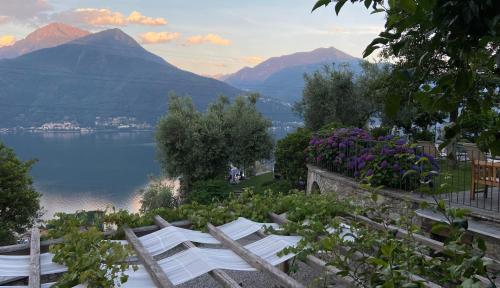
87	171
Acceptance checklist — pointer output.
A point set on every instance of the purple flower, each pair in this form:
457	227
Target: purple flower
369	172
400	142
395	167
384	164
369	157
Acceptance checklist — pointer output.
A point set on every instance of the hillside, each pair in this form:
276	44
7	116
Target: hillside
106	74
51	35
282	77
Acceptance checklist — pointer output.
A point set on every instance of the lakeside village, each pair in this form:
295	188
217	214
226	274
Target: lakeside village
122	123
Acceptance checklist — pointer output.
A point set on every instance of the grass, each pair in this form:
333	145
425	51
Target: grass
259	182
460	176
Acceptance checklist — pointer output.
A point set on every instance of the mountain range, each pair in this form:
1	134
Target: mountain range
76	76
282	78
48	36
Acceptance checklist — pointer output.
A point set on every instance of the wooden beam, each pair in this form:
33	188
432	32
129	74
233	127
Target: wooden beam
34	276
314	261
18	248
219	275
435	245
253	259
157	274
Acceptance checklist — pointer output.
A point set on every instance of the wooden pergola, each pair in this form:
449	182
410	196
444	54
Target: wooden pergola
160	278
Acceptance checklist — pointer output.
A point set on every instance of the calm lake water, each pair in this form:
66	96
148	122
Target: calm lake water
87	171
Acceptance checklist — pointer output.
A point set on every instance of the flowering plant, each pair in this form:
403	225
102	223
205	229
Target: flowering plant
383	161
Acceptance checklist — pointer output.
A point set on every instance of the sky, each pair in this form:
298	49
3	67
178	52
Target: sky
206	37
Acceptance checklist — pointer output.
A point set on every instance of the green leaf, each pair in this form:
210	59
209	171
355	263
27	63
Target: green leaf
369	50
368	3
339	5
392	104
321	3
408	5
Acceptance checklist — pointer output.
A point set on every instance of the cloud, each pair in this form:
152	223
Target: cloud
158	37
137	18
105	17
4	19
209	38
252	60
7	40
99	17
25	10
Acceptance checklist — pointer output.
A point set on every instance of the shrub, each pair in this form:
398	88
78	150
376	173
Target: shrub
19	202
157	195
385	161
380	131
291	155
279	186
208	191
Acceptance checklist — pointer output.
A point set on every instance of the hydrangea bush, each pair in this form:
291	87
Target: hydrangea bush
388	161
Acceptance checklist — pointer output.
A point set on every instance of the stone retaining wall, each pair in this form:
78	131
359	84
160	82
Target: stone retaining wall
322	181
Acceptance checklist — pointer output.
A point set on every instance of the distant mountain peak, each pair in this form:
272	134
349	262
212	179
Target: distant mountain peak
274	64
48	36
113	36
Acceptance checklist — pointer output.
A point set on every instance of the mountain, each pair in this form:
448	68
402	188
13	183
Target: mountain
282	77
48	36
105	74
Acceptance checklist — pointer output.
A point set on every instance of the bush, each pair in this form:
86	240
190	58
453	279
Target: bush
279	186
384	161
291	154
380	131
157	195
19	202
424	135
206	192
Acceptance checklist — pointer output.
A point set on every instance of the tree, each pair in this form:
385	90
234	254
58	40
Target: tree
291	155
248	133
191	144
19	202
335	95
200	146
449	55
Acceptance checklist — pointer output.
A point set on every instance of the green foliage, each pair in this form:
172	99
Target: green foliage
90	259
380	131
157	195
200	146
290	155
446	53
205	192
334	95
19	202
247	136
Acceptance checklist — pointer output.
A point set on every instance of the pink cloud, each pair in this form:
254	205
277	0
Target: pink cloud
158	37
209	38
7	40
106	17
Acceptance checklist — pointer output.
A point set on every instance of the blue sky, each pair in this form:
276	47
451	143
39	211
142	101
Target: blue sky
206	37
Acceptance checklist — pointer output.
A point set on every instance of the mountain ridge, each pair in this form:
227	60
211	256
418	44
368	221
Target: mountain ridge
282	77
104	74
48	36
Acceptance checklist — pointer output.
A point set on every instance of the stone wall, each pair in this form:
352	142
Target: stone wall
322	181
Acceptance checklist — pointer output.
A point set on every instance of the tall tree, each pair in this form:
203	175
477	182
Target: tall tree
449	52
335	95
201	146
19	202
249	139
